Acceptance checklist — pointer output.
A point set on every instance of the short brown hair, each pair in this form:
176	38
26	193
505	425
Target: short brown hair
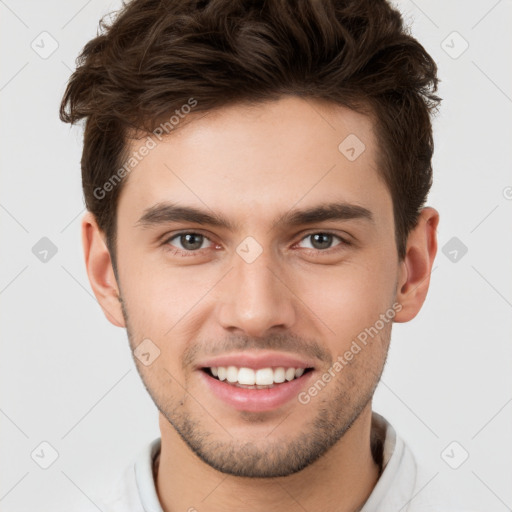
157	54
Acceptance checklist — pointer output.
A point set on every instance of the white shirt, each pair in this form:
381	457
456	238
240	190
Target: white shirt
402	486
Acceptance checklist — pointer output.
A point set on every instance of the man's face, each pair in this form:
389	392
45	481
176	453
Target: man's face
269	291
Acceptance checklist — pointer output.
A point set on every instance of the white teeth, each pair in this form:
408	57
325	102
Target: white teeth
290	374
264	376
261	377
279	375
232	374
247	376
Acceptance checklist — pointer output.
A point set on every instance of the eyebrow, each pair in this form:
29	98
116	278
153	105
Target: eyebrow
164	213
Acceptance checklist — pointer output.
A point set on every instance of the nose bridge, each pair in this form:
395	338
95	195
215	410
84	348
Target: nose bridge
256	300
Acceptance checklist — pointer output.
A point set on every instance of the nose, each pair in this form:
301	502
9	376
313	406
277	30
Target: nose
256	298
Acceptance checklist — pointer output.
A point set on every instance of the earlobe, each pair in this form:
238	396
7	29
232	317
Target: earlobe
100	271
417	265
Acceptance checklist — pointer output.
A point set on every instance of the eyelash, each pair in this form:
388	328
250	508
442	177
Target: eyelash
315	252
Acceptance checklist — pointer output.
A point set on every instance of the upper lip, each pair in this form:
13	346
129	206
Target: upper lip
257	360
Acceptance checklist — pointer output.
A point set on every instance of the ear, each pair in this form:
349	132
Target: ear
100	271
417	265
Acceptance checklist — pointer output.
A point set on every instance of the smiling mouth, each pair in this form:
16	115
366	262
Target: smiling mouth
261	378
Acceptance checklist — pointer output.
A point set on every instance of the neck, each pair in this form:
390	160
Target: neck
340	481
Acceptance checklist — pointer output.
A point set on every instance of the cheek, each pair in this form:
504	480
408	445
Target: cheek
350	297
341	299
162	305
159	296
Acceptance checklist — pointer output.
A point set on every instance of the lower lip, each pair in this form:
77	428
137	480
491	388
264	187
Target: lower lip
256	400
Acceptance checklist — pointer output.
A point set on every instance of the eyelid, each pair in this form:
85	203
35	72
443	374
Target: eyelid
166	239
325	231
344	240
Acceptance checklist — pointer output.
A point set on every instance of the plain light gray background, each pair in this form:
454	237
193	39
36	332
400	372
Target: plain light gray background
67	375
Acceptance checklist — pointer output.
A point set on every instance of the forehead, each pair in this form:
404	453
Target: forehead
266	158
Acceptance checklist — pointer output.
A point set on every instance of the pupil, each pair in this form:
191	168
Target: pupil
326	240
188	241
